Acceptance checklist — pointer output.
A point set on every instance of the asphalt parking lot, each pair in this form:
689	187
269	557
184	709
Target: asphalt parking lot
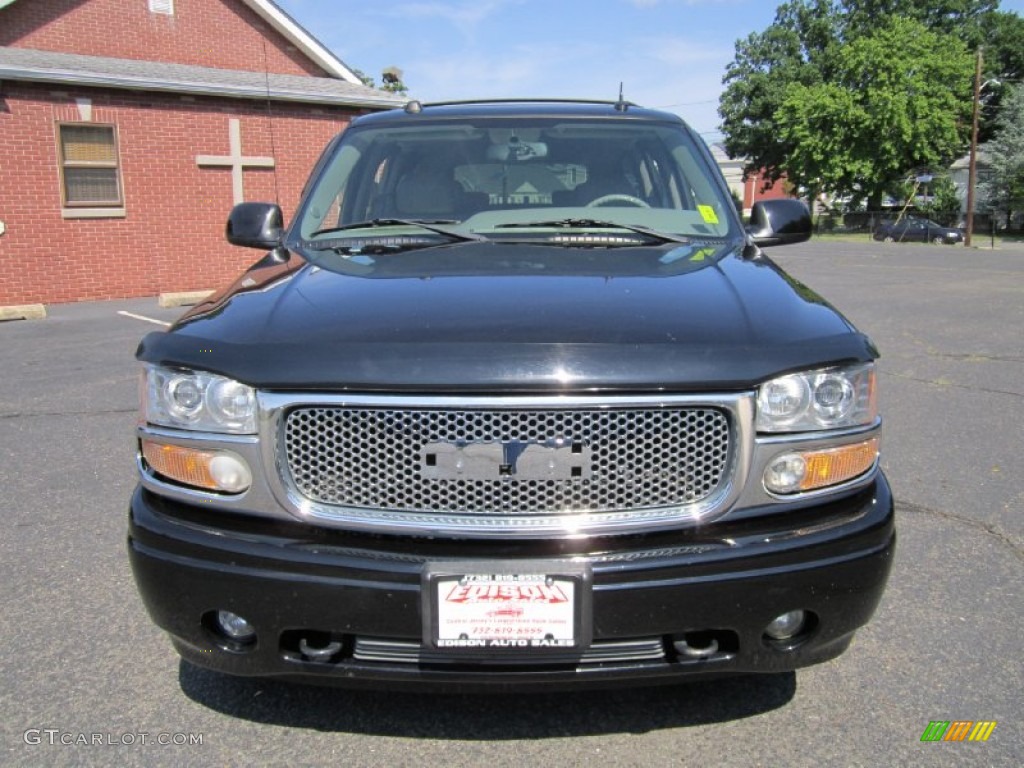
80	659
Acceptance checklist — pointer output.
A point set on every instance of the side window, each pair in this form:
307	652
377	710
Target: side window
660	185
360	192
675	194
327	197
646	183
90	173
381	181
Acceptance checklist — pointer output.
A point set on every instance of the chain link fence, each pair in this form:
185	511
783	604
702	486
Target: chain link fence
868	223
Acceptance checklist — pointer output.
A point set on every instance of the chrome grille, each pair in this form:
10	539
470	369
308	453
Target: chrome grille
601	651
495	462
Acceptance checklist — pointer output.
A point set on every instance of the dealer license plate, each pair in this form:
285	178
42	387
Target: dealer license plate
509	605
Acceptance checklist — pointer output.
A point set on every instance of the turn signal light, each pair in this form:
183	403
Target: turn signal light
810	470
211	470
838	465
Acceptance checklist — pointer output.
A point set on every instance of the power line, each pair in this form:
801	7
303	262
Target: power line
688	104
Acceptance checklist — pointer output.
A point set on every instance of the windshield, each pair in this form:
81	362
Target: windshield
516	178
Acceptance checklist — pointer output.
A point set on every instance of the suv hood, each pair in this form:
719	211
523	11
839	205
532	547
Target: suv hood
532	319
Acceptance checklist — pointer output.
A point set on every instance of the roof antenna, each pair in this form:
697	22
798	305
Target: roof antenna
621	105
270	121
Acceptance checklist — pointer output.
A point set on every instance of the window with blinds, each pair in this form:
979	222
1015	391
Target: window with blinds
162	6
90	175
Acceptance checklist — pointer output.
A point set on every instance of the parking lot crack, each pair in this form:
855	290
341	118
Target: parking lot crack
946	383
990	529
36	414
976	358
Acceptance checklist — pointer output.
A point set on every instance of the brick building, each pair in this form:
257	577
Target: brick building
748	187
128	129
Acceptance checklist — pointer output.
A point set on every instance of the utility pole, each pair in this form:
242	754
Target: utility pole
972	166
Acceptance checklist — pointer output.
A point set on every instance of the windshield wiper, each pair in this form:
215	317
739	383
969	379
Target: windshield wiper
429	225
597	224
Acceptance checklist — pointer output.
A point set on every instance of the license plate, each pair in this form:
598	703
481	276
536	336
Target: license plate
507	605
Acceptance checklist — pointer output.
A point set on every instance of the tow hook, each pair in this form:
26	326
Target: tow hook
318	654
691	652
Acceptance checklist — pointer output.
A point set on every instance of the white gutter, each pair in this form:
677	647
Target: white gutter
308	44
190	87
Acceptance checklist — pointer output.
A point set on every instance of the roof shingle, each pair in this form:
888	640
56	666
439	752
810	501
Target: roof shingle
27	64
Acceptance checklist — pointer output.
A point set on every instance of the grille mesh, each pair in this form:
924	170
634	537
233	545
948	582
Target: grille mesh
374	458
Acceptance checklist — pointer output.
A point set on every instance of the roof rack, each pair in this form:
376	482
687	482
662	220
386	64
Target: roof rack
469	102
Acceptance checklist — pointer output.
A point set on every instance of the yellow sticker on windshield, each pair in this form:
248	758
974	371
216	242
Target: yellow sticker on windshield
702	254
708	214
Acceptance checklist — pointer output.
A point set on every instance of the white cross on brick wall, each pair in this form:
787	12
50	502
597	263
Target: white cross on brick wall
236	161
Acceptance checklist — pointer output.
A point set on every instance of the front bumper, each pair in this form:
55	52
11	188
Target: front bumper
716	586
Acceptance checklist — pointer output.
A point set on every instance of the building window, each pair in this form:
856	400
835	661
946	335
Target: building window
90	176
162	6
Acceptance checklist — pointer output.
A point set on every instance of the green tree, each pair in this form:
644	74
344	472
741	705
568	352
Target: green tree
367	80
943	204
1003	191
965	19
802	47
1003	44
737	201
392	77
1002	35
897	99
790	51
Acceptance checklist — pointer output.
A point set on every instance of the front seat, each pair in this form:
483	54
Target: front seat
603	178
427	198
430	191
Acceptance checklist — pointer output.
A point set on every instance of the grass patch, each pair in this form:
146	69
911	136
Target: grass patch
843	237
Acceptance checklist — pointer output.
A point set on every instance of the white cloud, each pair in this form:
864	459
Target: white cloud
545	68
666	53
680	75
692	3
464	16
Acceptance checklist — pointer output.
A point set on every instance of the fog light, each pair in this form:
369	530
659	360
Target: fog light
230	473
211	470
786	473
786	625
235	627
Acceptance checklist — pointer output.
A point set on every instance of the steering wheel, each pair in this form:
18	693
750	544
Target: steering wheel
618	198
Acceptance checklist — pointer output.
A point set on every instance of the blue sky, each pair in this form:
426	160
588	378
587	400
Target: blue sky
668	53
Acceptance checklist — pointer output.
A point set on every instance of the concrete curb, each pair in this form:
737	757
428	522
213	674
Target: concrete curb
23	312
182	298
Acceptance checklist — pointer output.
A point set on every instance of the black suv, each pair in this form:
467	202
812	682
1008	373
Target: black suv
515	402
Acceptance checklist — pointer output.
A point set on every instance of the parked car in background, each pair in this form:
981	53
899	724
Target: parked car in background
917	230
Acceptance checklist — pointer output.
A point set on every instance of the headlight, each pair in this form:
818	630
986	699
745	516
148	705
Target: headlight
829	398
197	400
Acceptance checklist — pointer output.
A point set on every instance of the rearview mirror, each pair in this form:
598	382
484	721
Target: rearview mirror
516	150
779	222
255	225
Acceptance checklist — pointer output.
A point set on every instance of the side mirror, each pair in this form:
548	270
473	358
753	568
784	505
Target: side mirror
255	225
779	222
